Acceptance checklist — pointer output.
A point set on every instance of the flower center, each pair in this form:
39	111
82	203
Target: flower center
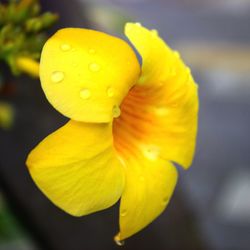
132	129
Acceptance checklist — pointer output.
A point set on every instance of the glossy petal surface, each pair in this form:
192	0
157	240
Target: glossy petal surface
149	187
85	74
94	159
76	168
158	124
164	103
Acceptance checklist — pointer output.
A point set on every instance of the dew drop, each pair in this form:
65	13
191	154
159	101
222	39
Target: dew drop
91	51
65	47
85	94
151	152
188	70
94	67
118	241
57	76
154	32
110	92
116	111
189	78
176	54
161	111
165	200
123	213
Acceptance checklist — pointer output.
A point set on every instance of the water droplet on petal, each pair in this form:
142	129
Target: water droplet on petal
57	76
188	70
116	111
165	200
118	241
189	78
94	67
110	92
151	152
91	51
123	212
154	32
65	47
161	111
176	54
85	94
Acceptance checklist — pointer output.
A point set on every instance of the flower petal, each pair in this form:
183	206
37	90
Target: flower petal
164	103
76	168
149	186
158	60
86	73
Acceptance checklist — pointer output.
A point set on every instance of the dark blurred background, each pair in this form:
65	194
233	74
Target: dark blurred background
210	208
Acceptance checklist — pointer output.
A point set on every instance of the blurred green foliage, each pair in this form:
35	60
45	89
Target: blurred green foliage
22	33
9	229
22	36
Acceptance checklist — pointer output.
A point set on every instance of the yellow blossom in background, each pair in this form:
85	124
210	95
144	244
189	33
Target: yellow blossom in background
28	65
128	124
6	115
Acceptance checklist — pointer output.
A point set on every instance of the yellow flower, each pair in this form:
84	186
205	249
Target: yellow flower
6	115
128	124
28	65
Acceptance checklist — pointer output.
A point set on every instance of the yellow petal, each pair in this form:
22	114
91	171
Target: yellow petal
149	186
158	124
158	60
164	103
28	65
76	168
6	115
85	74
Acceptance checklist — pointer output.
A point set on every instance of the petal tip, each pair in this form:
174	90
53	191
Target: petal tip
127	27
131	25
118	241
28	161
